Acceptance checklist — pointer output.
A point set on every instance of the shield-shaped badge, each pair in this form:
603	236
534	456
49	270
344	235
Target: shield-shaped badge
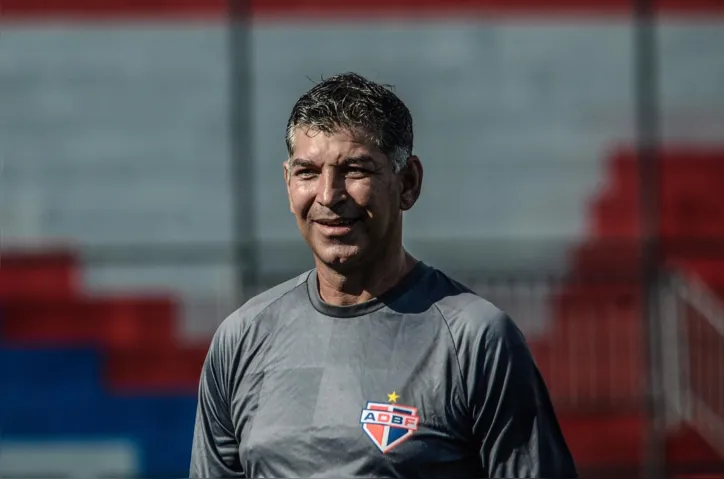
389	425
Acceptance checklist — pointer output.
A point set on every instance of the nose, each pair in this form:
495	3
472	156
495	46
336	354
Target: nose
331	188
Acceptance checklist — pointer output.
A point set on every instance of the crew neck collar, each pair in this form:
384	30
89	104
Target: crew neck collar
367	307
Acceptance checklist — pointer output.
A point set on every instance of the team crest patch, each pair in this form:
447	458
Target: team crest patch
389	425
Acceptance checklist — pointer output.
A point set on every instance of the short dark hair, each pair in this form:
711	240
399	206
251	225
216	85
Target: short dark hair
350	101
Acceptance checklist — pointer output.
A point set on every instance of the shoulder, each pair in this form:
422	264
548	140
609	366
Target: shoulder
234	326
227	348
473	321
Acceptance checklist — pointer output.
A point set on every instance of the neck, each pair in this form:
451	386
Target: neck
365	283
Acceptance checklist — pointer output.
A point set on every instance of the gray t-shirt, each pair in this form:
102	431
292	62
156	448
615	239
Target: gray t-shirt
428	380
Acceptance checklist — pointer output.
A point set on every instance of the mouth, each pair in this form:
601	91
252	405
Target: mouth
337	222
337	226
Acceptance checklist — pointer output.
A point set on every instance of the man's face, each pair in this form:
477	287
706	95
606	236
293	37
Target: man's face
345	196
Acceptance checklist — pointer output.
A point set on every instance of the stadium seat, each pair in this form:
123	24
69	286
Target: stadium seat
594	353
88	367
68	400
38	274
156	369
110	321
29	374
616	444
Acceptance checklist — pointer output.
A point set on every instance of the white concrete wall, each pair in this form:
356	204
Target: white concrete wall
77	459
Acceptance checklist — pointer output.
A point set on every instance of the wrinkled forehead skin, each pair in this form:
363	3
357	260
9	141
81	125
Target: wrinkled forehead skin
359	134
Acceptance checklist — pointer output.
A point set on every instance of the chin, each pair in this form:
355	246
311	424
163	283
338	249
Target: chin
340	258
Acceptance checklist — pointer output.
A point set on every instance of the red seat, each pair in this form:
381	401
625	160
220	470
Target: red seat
167	369
111	321
594	352
33	274
605	440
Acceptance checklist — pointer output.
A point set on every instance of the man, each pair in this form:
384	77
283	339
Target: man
373	364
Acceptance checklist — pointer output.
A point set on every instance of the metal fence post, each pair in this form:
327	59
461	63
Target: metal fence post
671	353
241	134
646	88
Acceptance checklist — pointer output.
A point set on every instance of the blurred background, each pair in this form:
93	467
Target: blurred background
574	155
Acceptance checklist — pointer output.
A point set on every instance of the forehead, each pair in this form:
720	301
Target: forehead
332	147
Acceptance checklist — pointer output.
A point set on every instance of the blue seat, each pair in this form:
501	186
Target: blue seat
58	393
59	373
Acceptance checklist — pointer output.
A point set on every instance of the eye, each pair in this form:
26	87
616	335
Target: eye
304	173
357	172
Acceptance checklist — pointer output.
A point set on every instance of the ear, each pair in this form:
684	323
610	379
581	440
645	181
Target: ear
411	183
287	179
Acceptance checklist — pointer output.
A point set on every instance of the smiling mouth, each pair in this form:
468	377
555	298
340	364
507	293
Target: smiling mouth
337	222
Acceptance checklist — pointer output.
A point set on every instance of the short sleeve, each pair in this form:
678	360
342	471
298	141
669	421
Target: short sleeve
215	450
514	424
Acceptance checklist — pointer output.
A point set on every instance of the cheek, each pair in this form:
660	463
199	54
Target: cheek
384	198
368	193
301	198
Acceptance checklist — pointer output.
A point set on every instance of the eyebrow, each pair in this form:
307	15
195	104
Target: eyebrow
358	159
301	163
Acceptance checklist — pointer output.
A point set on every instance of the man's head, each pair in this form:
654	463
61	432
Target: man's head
350	172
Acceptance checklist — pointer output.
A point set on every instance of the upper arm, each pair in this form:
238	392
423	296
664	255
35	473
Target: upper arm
215	450
514	423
